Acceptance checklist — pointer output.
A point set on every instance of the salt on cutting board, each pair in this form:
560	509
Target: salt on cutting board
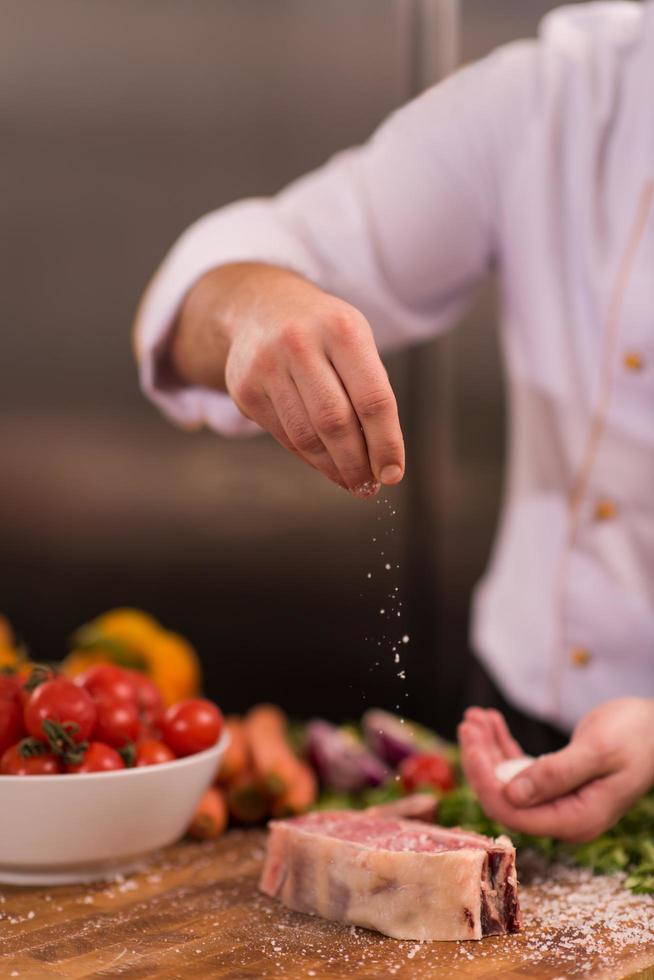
404	878
194	912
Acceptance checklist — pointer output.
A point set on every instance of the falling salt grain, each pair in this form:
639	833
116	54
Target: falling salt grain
405	639
387	566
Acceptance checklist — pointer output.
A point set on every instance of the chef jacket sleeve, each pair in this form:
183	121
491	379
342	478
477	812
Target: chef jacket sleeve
402	227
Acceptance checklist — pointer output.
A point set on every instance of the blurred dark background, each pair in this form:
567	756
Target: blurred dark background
122	121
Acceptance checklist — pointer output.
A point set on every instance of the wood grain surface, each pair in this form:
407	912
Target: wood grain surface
194	911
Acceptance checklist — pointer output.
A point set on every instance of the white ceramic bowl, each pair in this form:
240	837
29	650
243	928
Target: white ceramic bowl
64	829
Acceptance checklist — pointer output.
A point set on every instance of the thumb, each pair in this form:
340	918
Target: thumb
554	775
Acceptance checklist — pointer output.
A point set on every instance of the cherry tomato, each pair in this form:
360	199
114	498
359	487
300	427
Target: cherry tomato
107	680
148	696
191	726
151	752
426	769
13	763
117	722
61	701
10	687
98	758
12	727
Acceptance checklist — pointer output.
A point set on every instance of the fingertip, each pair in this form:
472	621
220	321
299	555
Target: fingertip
463	731
495	716
469	730
369	488
391	474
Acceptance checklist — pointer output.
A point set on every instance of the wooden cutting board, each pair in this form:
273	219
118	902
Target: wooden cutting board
194	911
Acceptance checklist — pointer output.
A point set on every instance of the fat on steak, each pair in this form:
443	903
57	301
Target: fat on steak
404	878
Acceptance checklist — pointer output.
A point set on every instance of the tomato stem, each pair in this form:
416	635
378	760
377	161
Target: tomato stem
29	747
39	675
128	754
61	741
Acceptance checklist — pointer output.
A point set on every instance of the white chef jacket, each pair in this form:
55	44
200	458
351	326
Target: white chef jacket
540	160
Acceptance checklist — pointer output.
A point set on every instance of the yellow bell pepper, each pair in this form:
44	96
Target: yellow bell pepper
8	659
6	633
132	638
12	657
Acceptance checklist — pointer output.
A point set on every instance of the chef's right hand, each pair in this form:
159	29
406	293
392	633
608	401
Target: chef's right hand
299	362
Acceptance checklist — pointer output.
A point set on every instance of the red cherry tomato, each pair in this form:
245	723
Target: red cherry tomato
62	701
191	726
426	769
117	722
13	763
107	680
12	728
98	758
149	700
151	752
10	687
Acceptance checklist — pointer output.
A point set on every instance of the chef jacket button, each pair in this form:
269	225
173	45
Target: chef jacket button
606	510
579	657
633	361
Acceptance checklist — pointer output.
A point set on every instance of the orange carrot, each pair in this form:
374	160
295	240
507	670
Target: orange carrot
211	816
237	755
247	801
299	796
273	758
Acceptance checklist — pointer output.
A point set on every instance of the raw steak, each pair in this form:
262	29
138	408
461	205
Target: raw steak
405	878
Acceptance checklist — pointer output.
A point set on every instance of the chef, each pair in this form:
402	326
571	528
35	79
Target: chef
538	161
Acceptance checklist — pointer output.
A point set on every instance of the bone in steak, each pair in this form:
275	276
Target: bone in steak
407	879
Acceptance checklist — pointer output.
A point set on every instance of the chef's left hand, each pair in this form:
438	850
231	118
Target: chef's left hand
575	794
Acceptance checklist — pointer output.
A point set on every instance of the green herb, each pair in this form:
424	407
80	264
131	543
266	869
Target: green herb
382	794
387	793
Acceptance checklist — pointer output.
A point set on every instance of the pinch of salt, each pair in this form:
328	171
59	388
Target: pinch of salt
506	770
